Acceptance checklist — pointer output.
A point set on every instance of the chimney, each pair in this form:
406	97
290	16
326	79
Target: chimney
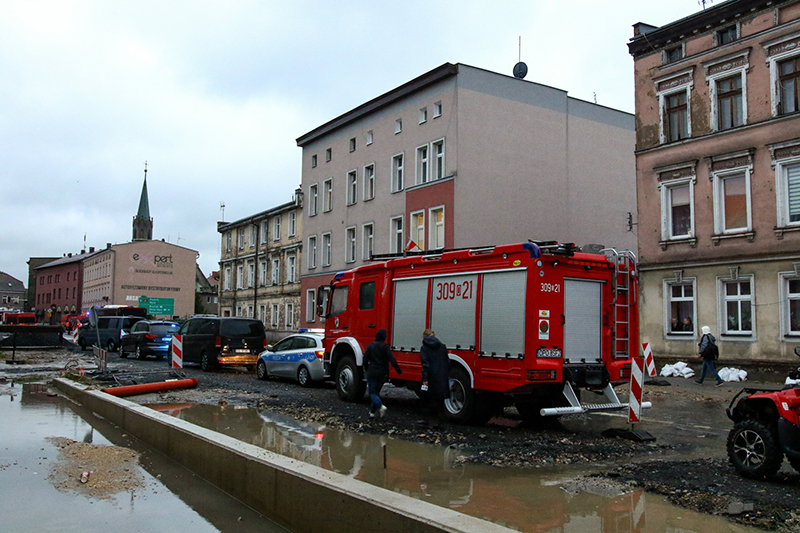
91	249
69	254
108	246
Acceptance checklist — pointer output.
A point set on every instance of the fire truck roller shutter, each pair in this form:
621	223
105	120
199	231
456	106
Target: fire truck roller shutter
503	313
453	310
410	301
583	325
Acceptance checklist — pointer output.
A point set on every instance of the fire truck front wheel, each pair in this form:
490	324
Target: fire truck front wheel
460	406
350	385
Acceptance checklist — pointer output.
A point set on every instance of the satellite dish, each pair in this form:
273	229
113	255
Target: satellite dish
520	70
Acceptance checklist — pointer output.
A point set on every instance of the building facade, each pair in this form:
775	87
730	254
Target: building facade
260	267
463	157
12	292
59	287
33	264
718	179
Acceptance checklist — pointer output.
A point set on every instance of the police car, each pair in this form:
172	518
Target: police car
298	357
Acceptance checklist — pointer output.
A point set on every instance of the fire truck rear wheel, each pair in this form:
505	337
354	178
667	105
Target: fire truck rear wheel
350	385
460	406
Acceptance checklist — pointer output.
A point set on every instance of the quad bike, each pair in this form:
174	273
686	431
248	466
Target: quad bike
766	427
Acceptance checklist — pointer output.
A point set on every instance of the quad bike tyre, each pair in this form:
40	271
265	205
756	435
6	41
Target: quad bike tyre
753	449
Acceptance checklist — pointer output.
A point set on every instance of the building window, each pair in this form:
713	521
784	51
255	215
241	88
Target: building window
789	72
312	251
737	300
292	231
673	93
241	238
262	313
313	200
367	237
437	109
311	305
327	195
423	115
228	242
677	211
369	182
253	237
290	315
291	269
436	222
326	249
262	273
353	144
398	125
250	311
251	274
790	302
238	310
226	284
396	235
273	316
422	164
352	187
673	54
787	177
729	101
276	228
369	137
397	173
418	229
677	116
314	161
727	35
680	307
350	245
438	161
264	231
732	202
240	276
328	155
276	271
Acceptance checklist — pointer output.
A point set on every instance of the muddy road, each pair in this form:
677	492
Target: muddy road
686	463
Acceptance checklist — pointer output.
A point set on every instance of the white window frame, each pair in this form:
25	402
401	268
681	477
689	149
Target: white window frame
292	229
370	137
369	181
262	273
313	199
240	236
668	284
311	305
289	315
398	172
669	91
251	274
264	231
253	238
314	161
786	298
772	63
718	179
398	126
274	318
291	268
312	252
226	283
249	311
724	299
276	228
228	241
713	79
275	278
666	207
436	229
262	313
423	115
352	186
352	144
367	241
240	276
327	252
350	245
422	166
328	155
416	221
438	170
782	191
327	195
395	232
437	109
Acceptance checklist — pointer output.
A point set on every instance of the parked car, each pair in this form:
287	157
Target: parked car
214	340
148	337
297	356
110	329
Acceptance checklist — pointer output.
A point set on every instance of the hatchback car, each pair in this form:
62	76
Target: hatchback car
213	341
297	356
148	337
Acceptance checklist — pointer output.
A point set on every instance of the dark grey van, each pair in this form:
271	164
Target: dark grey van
109	328
214	340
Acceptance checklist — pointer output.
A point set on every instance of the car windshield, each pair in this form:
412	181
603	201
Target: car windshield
242	328
164	329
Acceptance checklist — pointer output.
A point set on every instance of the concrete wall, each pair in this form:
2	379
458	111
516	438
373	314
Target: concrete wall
296	495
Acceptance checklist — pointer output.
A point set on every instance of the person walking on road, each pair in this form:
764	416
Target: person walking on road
435	371
709	352
377	358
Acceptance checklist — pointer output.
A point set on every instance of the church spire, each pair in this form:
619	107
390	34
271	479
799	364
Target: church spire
142	222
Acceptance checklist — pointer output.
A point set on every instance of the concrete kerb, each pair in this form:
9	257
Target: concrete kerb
299	496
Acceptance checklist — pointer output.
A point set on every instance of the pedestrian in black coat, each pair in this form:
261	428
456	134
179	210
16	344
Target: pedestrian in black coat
377	358
435	370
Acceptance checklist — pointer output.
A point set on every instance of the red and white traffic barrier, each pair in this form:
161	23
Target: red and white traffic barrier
177	351
637	382
648	360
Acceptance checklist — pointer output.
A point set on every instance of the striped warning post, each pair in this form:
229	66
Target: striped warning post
649	362
177	351
75	335
637	379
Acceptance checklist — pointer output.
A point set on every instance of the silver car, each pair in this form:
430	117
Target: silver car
297	356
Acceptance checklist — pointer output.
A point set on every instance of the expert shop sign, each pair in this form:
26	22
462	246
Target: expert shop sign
152	263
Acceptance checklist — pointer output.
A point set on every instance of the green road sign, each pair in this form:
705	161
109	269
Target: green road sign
158	306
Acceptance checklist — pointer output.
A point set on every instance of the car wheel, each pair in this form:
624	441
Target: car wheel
350	384
82	344
261	370
205	363
753	450
122	353
460	406
111	346
303	377
139	354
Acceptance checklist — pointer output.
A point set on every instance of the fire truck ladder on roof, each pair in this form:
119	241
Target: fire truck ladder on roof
624	297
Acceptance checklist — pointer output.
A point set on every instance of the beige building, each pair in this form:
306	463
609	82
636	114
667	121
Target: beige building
158	271
260	267
718	180
463	157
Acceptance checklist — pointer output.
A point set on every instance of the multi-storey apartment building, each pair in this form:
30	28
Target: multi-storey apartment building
59	287
718	179
463	157
260	267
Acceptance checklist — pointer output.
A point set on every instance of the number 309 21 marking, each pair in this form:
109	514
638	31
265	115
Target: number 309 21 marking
550	287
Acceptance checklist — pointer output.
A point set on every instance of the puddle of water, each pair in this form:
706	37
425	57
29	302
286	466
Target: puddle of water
170	499
526	500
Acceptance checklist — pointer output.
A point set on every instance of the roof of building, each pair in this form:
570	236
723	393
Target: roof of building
224	226
10	283
144	204
71	258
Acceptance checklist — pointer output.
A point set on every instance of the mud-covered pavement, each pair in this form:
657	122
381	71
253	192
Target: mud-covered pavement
686	463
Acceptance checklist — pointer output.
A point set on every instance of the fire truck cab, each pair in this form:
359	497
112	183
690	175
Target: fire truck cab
529	324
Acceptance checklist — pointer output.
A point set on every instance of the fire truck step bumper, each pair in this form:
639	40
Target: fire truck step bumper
575	407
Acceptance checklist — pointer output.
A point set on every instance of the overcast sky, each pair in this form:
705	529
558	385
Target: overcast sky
213	95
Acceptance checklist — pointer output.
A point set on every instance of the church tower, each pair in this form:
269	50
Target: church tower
142	222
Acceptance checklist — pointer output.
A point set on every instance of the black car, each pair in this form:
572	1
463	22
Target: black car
110	329
214	340
148	337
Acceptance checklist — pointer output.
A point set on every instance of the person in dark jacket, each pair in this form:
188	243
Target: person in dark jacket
435	371
377	358
708	356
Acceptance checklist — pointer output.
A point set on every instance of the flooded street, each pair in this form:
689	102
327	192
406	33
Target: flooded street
41	491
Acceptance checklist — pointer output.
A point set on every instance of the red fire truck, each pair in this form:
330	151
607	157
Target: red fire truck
530	324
